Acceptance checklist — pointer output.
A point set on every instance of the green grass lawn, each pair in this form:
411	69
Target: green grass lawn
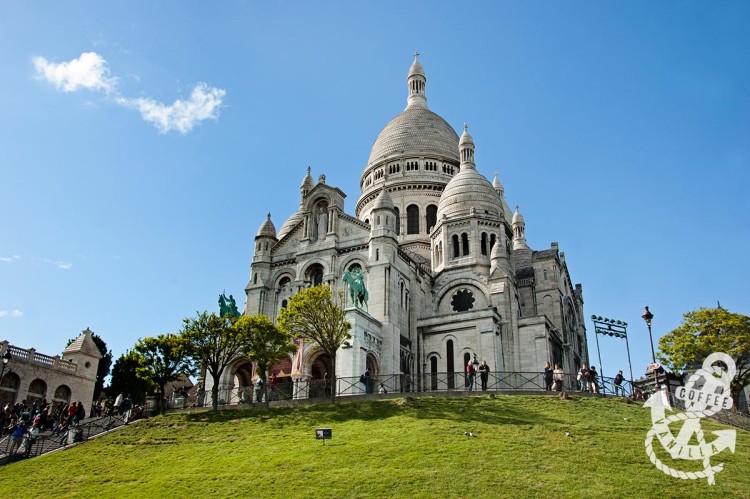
383	449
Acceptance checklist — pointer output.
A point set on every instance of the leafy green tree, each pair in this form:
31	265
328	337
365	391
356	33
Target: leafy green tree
314	314
705	331
265	344
214	343
163	359
126	381
105	363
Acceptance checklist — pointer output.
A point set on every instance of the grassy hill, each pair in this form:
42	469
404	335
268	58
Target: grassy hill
383	448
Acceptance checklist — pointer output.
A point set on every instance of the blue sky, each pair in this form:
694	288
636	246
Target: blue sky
134	178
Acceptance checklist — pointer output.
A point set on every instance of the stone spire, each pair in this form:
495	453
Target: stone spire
498	186
466	149
519	231
307	183
416	82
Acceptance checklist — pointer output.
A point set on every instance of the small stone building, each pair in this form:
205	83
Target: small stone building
34	376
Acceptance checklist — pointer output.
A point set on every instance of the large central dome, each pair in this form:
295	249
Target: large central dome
416	131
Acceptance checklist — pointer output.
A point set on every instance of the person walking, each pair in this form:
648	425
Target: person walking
484	374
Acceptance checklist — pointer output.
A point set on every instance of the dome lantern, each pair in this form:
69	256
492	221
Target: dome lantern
416	82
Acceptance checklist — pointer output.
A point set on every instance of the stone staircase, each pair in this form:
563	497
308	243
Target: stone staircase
46	442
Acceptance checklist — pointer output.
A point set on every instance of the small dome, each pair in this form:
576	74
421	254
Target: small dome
466	139
267	229
496	182
468	190
517	217
383	201
291	223
307	182
416	68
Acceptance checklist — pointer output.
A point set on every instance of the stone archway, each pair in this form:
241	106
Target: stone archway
240	384
62	394
320	378
373	367
37	391
9	389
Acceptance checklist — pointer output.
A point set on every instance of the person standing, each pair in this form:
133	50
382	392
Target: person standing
583	378
548	377
484	374
471	373
618	384
557	378
593	386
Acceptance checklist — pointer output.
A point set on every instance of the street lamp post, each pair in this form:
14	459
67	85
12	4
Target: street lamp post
6	358
647	316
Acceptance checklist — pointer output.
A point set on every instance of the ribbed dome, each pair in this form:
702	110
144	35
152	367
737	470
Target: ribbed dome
469	189
267	228
416	68
291	222
307	182
416	131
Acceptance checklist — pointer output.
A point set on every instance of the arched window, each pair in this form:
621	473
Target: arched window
484	243
449	361
398	222
492	241
284	303
412	219
431	216
465	243
456	253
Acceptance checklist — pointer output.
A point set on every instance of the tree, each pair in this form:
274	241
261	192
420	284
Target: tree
161	360
315	315
214	343
105	363
265	344
126	381
705	331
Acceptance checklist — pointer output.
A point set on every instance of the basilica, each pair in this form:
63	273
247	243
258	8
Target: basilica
449	274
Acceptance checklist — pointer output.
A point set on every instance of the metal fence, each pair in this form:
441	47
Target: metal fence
401	383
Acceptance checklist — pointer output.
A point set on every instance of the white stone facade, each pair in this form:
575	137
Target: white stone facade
33	376
448	270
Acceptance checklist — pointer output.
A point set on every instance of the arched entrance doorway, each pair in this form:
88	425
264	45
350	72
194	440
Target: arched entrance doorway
320	379
241	384
371	364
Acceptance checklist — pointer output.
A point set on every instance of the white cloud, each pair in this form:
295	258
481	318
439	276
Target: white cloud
59	264
8	259
182	115
14	313
89	71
